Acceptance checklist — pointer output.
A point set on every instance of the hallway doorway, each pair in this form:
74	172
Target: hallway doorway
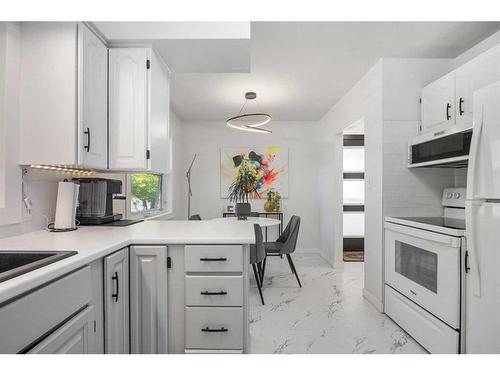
353	192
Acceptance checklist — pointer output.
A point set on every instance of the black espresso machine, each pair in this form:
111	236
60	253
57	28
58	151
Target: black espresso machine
95	200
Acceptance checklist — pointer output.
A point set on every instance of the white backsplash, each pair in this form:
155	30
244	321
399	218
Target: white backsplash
41	189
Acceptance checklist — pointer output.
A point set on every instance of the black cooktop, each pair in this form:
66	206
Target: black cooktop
445	222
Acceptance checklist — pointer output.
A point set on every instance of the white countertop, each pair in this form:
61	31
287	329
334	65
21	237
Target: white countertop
94	242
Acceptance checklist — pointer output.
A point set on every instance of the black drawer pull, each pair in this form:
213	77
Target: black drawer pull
221	259
207	293
448	107
214	330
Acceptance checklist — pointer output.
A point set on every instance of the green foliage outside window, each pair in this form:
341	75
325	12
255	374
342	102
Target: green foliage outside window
146	191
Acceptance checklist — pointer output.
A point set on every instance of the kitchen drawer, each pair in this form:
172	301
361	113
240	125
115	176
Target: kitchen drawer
427	330
214	290
213	258
214	328
28	318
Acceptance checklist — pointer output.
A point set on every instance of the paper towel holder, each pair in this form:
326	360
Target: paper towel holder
51	226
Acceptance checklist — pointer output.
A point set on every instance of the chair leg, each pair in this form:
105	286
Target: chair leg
263	270
257	279
261	274
292	266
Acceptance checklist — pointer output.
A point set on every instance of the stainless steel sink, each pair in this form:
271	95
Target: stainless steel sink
17	262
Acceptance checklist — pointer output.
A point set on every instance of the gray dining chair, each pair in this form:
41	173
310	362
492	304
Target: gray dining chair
257	256
242	210
195	217
285	245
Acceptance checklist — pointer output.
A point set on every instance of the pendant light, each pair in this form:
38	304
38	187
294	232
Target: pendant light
251	122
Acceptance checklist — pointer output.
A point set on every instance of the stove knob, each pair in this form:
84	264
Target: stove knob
449	195
457	195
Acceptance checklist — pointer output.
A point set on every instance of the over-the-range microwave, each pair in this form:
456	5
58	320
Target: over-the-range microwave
440	149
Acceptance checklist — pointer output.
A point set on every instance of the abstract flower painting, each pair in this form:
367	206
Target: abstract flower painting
269	164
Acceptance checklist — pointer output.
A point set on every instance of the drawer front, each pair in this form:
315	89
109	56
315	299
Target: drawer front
214	290
26	319
213	258
427	330
214	328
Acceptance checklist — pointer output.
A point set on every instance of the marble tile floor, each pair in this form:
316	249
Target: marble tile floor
327	315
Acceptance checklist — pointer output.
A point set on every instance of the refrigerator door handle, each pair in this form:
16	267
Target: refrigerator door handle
475	273
474	147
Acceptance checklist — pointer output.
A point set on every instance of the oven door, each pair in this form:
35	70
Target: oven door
425	267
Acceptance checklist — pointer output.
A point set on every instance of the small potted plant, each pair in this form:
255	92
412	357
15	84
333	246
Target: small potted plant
243	187
273	201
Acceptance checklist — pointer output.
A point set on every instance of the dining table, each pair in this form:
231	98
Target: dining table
264	222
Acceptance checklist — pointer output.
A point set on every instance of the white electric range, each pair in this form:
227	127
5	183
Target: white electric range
423	278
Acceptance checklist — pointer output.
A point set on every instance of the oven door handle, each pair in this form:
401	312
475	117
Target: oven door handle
429	236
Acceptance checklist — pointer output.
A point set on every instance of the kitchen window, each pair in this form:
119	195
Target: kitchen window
146	193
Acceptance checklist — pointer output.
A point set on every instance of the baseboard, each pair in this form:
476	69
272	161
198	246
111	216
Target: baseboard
373	300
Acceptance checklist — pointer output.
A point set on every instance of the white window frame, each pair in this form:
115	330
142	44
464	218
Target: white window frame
162	210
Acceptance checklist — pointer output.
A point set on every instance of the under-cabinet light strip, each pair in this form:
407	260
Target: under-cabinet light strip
62	168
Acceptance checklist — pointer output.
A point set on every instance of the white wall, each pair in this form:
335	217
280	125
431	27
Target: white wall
479	48
387	99
10	174
177	177
363	101
206	139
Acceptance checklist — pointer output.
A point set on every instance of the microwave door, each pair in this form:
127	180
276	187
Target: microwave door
483	175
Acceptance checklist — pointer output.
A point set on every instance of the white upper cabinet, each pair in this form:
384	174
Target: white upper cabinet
93	94
128	108
447	103
138	110
63	92
438	104
477	73
160	115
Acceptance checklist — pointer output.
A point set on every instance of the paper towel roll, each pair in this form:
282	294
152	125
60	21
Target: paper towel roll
67	196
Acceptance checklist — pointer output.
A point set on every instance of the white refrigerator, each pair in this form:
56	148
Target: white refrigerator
482	261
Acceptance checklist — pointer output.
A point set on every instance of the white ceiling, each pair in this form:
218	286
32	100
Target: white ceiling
299	70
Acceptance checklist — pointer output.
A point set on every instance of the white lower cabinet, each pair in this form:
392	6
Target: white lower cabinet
73	337
148	299
214	328
116	302
31	317
216	299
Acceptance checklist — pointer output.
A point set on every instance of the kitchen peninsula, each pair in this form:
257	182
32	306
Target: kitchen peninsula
153	287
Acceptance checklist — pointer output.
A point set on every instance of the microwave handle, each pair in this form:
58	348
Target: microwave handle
474	147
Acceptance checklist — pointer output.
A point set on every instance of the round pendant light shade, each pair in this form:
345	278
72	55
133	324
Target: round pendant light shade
249	121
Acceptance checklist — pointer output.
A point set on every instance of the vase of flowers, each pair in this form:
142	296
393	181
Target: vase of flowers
243	187
273	201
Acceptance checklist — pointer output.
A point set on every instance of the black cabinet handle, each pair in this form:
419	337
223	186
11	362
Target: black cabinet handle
221	259
207	293
87	132
467	268
460	109
117	282
448	107
214	329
